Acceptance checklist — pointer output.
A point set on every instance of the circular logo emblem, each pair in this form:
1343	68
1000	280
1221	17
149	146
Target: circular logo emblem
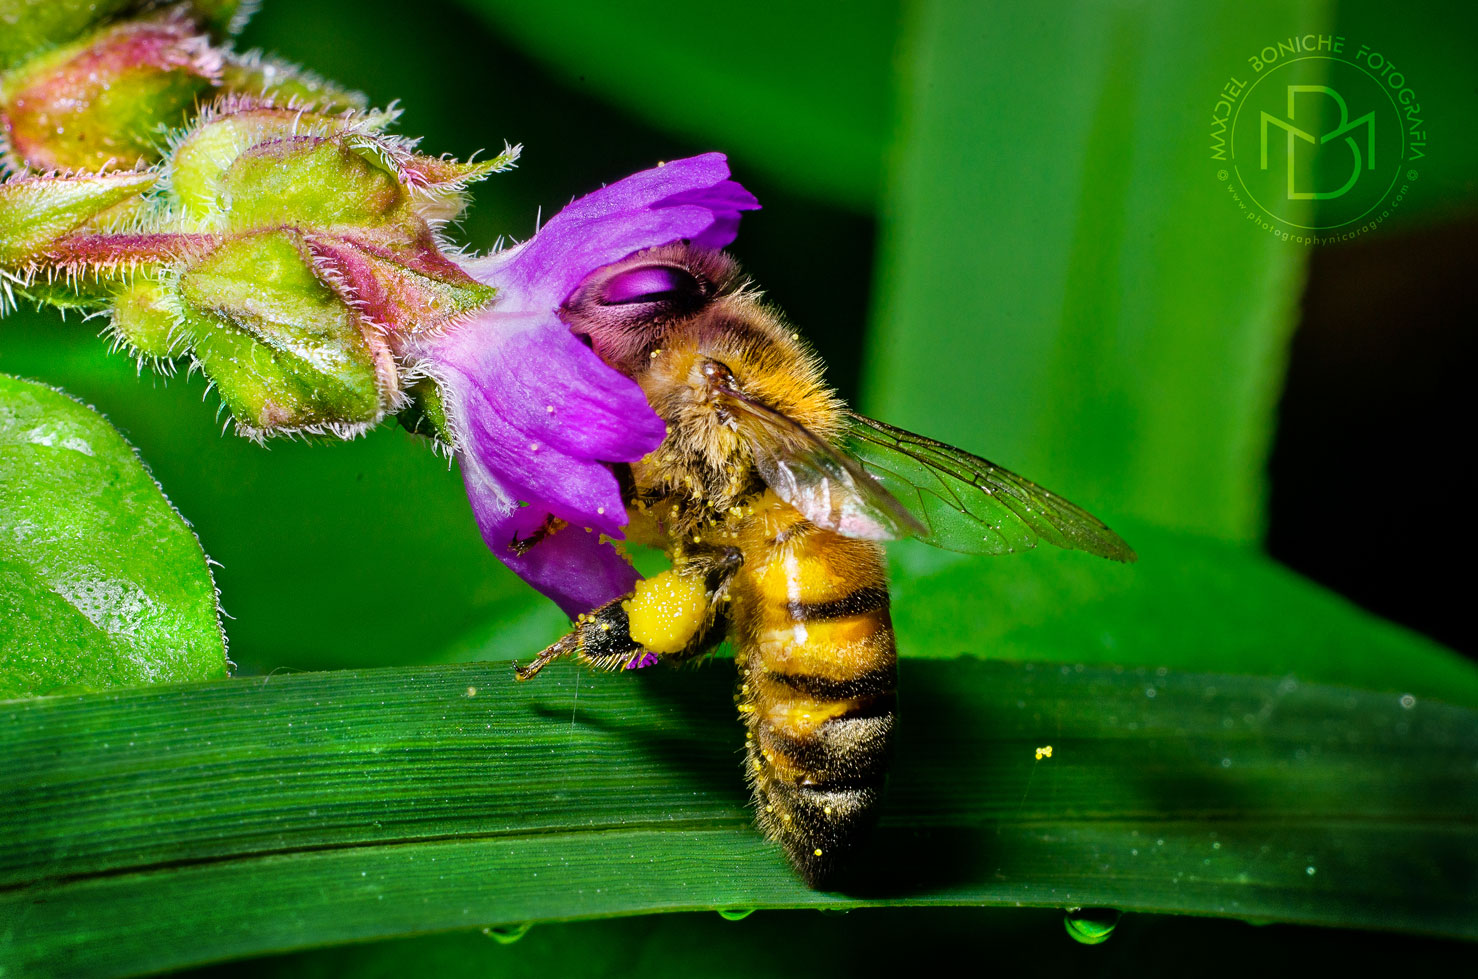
1319	143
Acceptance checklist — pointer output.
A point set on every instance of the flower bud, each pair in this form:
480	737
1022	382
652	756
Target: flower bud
290	247
323	263
38	212
32	27
100	101
285	351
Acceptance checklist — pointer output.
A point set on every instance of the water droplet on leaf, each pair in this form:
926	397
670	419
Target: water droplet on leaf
507	934
735	914
1091	926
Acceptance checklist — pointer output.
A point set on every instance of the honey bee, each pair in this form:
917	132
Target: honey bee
770	497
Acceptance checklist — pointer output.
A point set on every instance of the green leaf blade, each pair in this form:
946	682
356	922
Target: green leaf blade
304	810
101	580
1064	286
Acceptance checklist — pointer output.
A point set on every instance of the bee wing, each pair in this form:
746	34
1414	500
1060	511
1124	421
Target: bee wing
970	504
826	485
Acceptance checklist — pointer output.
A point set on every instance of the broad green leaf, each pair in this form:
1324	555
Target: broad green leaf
288	811
1064	286
799	90
344	554
102	583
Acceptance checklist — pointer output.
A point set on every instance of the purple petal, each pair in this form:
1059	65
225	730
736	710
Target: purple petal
725	199
597	413
537	416
575	568
685	199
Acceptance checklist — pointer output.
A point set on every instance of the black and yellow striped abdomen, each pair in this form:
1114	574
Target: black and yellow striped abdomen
817	674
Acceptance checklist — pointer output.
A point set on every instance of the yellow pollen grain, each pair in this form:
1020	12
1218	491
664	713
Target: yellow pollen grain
549	408
817	851
600	510
827	810
1044	752
666	611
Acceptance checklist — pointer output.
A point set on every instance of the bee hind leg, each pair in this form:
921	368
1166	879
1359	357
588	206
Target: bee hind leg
602	639
711	570
569	644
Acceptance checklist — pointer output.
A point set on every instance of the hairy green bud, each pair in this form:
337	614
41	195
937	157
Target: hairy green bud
283	242
284	350
37	213
101	101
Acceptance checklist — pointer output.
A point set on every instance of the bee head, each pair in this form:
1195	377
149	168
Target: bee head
689	327
628	309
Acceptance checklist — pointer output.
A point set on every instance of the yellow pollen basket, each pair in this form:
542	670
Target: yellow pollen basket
666	611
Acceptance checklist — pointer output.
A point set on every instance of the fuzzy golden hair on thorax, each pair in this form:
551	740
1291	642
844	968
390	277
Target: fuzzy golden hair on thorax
663	314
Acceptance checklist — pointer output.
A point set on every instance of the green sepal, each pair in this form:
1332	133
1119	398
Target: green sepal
149	319
198	165
438	184
36	212
426	413
84	291
308	181
284	83
283	349
398	297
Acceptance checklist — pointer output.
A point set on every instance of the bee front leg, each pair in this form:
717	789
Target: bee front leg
678	615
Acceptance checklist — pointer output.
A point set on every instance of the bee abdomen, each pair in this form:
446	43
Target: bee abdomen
818	787
819	671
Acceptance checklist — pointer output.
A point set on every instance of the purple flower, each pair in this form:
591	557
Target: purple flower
536	417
